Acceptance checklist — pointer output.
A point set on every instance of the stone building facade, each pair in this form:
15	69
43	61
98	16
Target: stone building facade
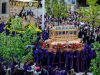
4	10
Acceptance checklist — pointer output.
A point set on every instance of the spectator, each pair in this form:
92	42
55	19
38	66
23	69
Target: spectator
16	70
72	72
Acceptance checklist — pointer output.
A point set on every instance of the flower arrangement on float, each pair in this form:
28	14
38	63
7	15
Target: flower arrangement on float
43	44
75	46
59	46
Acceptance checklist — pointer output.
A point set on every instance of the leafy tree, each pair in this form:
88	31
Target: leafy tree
56	8
91	14
92	2
13	47
48	4
32	31
95	63
16	24
28	57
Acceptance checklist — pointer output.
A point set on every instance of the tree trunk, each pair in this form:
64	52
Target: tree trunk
58	22
93	23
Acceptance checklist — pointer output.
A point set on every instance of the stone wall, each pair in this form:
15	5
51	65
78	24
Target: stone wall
5	16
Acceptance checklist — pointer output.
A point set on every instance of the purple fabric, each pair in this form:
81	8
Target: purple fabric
25	67
80	61
45	35
29	68
2	25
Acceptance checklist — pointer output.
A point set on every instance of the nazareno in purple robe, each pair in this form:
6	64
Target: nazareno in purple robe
67	61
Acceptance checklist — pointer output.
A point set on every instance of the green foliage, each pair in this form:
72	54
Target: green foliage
95	63
13	47
9	21
59	10
32	30
96	45
56	8
48	7
28	57
16	24
92	2
92	13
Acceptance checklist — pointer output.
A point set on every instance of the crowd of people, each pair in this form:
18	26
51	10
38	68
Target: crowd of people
59	63
51	63
86	32
78	60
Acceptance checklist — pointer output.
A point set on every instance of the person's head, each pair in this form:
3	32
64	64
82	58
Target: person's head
38	68
72	70
69	72
16	67
34	63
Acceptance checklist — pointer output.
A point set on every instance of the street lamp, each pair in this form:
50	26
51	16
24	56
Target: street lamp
43	13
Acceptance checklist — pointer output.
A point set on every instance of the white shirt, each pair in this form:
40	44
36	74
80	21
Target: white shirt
33	68
37	73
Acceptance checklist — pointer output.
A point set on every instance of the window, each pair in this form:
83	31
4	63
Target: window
71	32
60	33
59	28
63	32
4	8
63	28
57	33
74	32
66	32
66	28
73	1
